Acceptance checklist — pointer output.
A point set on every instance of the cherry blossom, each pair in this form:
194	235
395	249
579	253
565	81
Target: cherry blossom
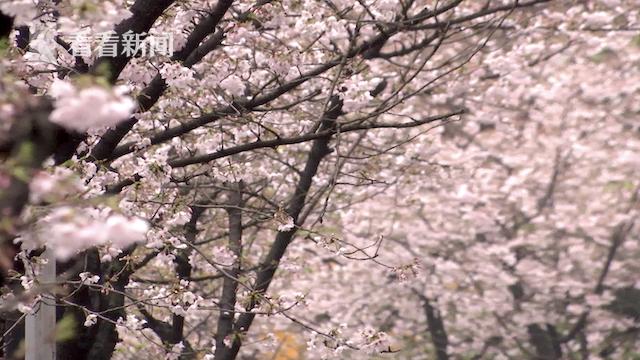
326	179
92	107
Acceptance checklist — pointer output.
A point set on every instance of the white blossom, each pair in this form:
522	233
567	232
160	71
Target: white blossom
90	320
91	107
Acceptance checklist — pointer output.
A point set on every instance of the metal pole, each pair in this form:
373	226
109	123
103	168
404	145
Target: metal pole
40	326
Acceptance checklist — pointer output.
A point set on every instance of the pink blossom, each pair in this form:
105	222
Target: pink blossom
92	107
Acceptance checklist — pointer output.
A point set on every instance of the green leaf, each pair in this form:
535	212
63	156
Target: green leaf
4	47
635	41
25	152
602	56
66	329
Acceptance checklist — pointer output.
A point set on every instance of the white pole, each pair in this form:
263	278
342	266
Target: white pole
41	324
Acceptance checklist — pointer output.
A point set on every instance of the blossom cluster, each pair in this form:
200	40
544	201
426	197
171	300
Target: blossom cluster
81	109
68	230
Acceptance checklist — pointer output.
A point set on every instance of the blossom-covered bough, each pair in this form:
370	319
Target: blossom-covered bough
328	179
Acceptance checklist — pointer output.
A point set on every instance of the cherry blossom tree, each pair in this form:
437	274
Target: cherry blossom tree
323	179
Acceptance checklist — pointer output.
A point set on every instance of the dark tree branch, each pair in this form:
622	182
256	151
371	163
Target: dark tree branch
435	327
31	140
145	13
230	285
370	49
190	54
300	139
617	238
319	150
